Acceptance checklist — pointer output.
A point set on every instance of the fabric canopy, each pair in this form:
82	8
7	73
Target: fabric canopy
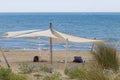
55	35
16	33
47	33
62	37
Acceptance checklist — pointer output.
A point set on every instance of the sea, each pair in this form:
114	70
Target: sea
100	25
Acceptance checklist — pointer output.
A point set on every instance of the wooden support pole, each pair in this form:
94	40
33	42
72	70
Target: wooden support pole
66	56
51	61
92	45
4	57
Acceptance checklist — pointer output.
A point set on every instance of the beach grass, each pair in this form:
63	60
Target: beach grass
86	73
7	74
106	56
24	68
54	76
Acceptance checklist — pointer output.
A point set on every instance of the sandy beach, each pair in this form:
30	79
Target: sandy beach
15	57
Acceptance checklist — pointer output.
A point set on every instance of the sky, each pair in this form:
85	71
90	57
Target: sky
59	5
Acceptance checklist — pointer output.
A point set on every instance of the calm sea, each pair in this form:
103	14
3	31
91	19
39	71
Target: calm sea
104	26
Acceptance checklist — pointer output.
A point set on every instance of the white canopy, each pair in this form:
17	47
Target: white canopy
62	37
47	33
16	33
55	35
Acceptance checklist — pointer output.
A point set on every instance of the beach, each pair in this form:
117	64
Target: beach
17	57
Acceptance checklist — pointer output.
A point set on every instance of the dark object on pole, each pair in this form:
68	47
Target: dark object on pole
35	59
51	45
4	57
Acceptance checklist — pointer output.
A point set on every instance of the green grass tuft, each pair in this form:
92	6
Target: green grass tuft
7	74
107	57
91	73
54	76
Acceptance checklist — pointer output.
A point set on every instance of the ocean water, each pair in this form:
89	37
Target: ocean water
103	26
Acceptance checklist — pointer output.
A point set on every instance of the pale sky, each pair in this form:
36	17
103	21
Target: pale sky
59	5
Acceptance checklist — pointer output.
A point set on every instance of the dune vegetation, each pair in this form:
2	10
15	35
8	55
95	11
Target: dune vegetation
105	66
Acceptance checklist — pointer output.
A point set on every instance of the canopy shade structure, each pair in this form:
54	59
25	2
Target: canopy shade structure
62	37
16	33
46	33
54	36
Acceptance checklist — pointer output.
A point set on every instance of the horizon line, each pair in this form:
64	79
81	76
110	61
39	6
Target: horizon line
63	12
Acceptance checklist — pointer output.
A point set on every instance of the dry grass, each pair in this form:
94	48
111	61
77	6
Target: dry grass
107	57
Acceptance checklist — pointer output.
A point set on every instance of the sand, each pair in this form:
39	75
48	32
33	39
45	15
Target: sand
16	57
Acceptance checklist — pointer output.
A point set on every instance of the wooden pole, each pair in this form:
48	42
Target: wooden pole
51	46
66	56
39	48
92	45
4	57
